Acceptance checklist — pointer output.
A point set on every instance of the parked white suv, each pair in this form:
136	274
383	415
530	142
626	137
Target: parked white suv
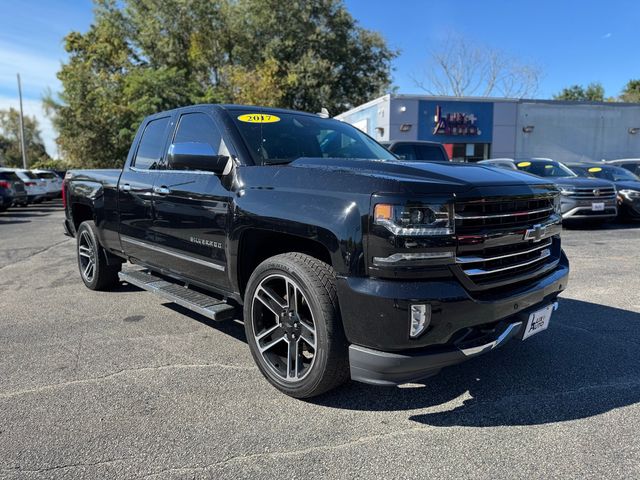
53	182
36	187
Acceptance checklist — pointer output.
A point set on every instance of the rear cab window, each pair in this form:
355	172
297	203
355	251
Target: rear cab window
151	147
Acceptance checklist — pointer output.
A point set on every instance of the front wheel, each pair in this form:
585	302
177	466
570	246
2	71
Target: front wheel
293	325
95	272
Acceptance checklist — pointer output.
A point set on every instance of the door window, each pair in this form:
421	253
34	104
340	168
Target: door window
199	128
150	150
405	151
632	167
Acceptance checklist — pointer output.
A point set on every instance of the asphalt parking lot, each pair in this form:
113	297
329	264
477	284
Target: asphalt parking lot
122	385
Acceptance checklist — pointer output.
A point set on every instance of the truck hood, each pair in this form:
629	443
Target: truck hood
456	176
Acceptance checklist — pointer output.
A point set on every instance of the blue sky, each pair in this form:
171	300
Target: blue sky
572	41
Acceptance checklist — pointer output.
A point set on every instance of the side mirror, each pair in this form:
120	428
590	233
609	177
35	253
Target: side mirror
198	156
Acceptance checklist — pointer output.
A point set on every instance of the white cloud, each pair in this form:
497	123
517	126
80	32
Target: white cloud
607	35
34	108
37	74
37	71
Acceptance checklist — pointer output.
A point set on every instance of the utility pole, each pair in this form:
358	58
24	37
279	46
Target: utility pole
23	143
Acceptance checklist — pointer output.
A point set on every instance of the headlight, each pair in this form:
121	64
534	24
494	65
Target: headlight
557	205
630	194
419	220
566	189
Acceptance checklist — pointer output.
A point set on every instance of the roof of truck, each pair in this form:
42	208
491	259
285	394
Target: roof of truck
233	107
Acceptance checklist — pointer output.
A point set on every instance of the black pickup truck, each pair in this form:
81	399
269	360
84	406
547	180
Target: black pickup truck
347	261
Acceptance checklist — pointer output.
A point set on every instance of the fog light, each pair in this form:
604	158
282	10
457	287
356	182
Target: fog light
420	319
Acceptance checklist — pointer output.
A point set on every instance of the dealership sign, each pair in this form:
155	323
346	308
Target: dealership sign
454	124
456	121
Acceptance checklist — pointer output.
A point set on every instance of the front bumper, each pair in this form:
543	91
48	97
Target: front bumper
375	316
629	207
574	208
389	368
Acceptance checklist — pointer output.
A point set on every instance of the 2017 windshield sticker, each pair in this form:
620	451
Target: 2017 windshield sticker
524	164
258	118
595	169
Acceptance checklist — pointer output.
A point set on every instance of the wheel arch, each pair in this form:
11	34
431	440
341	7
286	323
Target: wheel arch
256	245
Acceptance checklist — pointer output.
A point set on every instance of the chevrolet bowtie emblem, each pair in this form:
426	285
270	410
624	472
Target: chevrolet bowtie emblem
535	233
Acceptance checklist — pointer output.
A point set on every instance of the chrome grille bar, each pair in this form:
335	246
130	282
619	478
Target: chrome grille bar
470	259
504	215
480	271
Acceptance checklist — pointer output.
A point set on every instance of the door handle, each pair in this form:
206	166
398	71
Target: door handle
126	187
161	190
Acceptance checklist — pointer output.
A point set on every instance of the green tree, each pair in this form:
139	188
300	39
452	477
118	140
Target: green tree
325	59
594	92
631	92
142	56
10	146
107	91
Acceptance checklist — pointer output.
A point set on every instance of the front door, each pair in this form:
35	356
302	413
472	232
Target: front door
192	210
135	192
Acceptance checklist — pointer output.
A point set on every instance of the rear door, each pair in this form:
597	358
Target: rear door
192	209
135	191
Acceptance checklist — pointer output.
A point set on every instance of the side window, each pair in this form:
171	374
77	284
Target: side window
405	152
149	152
632	167
199	128
430	152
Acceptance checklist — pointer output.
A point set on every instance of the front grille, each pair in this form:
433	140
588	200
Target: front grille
505	241
501	213
598	193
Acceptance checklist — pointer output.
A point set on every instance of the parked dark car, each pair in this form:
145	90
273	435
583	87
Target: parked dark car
585	199
12	190
626	182
631	164
417	150
344	261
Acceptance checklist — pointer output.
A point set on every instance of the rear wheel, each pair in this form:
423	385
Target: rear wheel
293	326
95	272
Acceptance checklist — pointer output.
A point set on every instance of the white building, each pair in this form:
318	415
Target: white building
478	128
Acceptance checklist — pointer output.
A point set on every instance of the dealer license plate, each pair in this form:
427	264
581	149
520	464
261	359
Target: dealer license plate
597	207
538	321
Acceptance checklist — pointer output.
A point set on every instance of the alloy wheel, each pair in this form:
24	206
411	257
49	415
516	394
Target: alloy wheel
283	327
87	256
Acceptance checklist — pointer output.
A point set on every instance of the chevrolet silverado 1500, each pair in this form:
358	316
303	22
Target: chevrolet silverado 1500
343	260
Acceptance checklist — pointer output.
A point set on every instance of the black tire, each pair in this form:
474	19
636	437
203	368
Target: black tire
316	307
100	275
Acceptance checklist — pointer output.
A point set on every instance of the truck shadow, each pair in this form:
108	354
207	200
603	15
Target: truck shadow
586	364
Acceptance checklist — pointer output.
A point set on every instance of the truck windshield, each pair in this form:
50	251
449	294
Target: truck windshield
545	168
285	137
